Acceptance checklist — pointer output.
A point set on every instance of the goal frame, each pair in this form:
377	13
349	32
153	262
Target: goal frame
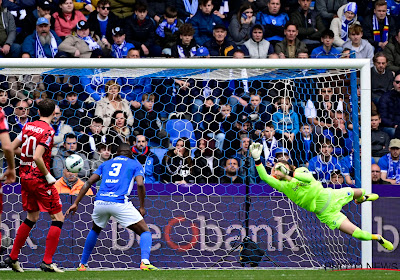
363	65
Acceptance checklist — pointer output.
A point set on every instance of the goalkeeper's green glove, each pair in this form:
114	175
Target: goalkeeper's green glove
282	168
256	150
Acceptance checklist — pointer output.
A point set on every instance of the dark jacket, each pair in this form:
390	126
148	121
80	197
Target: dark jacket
203	25
77	115
281	47
307	25
211	118
115	139
228	180
201	170
392	52
300	154
368	31
379	139
151	165
83	140
140	34
145	123
94	25
227	48
179	50
389	105
164	36
381	83
176	169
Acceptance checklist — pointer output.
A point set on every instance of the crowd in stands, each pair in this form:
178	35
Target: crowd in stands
95	115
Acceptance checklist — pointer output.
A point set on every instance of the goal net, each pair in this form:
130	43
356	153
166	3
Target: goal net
208	207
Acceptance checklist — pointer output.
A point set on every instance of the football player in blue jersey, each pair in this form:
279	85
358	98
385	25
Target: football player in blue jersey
117	179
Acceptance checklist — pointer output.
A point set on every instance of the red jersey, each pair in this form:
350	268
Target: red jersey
34	134
3	122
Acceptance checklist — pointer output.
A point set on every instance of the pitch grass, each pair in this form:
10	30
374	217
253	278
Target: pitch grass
206	274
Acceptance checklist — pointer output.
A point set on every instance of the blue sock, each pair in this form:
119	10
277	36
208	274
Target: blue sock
89	245
145	244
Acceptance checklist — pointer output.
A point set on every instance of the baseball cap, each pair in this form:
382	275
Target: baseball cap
394	143
281	151
202	51
117	31
220	26
82	24
42	20
44	5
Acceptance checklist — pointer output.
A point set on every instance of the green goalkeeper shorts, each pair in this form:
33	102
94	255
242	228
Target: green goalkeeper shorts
332	202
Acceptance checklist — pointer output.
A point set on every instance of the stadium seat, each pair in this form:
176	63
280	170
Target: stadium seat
178	128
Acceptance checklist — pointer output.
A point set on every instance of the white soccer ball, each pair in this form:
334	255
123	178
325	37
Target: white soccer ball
74	163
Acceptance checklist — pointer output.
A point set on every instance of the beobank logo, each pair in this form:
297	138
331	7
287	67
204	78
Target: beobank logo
167	235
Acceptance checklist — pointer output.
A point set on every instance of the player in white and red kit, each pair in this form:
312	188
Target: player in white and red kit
9	175
38	193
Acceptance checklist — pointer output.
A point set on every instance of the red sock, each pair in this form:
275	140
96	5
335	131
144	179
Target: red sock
51	243
22	235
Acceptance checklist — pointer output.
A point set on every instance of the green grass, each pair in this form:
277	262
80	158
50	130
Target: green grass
206	274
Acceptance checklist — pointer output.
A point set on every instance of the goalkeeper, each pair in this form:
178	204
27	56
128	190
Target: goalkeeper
301	187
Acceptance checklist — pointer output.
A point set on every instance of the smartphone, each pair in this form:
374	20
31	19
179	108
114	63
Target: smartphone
244	16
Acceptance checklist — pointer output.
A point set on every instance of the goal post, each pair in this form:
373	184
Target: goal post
362	65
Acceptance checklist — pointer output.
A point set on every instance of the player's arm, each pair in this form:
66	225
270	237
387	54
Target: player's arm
38	159
92	180
9	175
141	189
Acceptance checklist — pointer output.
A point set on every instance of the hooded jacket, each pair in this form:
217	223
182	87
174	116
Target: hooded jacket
336	27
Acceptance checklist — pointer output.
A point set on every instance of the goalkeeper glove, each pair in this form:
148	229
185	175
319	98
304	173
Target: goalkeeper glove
256	150
282	168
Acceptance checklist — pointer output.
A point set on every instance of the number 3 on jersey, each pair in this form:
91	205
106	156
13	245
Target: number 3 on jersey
116	168
29	146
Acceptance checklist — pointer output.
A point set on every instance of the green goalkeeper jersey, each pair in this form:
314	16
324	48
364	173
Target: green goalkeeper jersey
303	189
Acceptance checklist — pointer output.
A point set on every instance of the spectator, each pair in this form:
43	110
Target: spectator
119	132
178	164
140	31
60	130
211	121
219	45
257	112
231	172
207	162
240	25
76	113
66	18
323	164
133	53
28	24
379	140
70	184
43	43
20	117
273	20
167	32
328	9
361	47
102	154
270	144
112	102
392	52
304	147
147	123
281	153
376	176
86	7
92	137
381	77
257	46
69	147
389	105
336	178
120	47
228	118
186	46
84	44
291	46
150	162
286	121
233	136
389	163
204	21
5	102
326	50
157	8
247	166
394	11
186	9
341	137
102	21
347	16
309	23
8	47
320	112
379	27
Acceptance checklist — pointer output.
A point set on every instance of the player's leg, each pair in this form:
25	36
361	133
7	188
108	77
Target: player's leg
353	230
90	242
20	239
360	197
141	229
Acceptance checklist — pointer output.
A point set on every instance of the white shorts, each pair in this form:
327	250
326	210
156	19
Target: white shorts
125	213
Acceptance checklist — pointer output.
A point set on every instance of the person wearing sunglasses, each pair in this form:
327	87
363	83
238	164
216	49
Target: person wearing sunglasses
20	117
102	21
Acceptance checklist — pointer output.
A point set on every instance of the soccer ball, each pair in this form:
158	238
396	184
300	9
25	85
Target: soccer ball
74	163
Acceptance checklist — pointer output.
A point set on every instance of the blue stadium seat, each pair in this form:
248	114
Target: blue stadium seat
159	152
180	128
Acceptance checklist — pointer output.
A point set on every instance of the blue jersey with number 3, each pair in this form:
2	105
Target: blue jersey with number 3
117	178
